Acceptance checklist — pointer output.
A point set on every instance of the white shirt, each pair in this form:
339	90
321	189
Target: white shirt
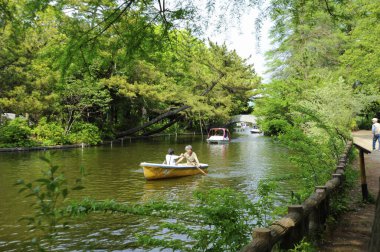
170	159
376	128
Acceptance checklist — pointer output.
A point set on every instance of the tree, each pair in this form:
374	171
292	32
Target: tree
117	65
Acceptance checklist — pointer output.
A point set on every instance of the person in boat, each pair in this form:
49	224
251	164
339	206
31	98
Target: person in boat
190	156
170	158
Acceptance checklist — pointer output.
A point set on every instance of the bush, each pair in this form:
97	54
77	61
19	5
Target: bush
219	219
16	133
82	132
49	133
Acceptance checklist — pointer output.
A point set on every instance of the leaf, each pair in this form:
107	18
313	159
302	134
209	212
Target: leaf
45	159
65	192
22	189
54	169
43	180
79	187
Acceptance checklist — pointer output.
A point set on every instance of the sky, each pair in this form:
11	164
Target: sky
241	37
238	31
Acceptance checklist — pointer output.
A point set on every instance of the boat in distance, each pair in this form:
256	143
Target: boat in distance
218	135
255	130
162	171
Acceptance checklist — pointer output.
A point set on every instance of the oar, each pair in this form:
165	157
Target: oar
201	171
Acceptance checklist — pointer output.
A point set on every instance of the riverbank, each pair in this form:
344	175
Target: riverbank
43	148
83	145
353	229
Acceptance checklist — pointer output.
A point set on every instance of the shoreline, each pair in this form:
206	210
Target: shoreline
83	145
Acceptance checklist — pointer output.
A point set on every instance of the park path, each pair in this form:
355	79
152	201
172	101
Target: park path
353	230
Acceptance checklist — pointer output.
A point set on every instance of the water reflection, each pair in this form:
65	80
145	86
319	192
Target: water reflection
114	173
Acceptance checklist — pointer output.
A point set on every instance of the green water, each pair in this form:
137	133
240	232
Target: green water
114	173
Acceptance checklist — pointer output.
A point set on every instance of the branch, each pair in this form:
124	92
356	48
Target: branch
328	8
170	123
169	113
151	122
113	21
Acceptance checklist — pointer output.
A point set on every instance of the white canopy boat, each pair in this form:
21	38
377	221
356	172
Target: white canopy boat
218	135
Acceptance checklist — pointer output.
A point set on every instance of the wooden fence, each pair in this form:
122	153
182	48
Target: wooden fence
308	218
374	244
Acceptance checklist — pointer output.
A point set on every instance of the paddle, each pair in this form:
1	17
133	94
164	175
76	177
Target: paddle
201	171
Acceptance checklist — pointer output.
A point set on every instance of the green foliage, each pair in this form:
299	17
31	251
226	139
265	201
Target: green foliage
48	193
157	208
84	133
304	246
217	220
361	57
16	133
340	202
226	215
68	69
266	202
49	133
314	128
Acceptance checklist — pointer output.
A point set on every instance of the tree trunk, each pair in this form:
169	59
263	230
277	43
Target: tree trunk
172	121
69	122
151	122
169	113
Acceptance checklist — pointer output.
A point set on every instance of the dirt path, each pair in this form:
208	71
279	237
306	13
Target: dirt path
353	229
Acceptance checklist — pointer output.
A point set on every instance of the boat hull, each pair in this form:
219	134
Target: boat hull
218	141
255	131
158	171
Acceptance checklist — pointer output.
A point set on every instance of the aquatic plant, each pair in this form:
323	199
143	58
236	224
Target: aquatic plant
48	193
220	219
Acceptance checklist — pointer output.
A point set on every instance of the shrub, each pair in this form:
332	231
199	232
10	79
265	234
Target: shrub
219	219
82	132
49	133
16	133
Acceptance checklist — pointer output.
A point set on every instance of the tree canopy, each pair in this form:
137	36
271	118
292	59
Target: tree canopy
125	67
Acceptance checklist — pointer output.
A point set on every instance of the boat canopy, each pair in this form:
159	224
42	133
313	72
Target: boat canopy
219	132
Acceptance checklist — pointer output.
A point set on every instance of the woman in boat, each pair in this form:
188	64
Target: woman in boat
190	156
170	157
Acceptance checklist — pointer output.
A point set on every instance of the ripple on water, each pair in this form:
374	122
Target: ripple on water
114	173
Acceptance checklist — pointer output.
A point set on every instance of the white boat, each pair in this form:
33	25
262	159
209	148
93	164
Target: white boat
255	130
218	135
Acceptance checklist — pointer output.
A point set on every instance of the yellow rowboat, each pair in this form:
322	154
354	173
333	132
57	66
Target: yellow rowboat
161	171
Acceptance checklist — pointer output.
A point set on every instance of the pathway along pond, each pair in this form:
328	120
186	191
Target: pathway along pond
114	173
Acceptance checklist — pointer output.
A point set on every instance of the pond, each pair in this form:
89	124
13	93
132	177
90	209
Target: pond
113	172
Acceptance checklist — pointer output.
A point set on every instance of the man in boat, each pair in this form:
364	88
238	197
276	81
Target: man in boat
190	156
170	157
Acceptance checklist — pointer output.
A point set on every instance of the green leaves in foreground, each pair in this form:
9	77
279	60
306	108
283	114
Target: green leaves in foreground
216	220
47	195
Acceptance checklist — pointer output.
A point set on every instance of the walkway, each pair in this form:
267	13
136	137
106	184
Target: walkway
354	227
